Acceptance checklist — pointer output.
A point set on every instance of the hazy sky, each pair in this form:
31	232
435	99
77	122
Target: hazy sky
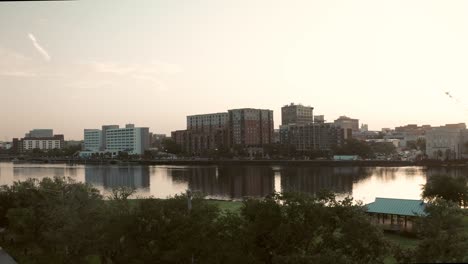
81	64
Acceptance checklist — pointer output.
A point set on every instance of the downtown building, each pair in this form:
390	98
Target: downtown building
312	136
113	139
249	127
301	131
447	142
349	125
243	128
204	133
296	114
42	139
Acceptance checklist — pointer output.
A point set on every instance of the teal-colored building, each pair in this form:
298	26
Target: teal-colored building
396	214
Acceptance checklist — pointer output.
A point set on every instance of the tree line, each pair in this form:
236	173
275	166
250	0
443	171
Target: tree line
61	221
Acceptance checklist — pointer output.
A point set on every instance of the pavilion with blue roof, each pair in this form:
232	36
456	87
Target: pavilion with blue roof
395	214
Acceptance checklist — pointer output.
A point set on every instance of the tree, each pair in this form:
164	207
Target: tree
57	219
355	147
293	228
443	236
170	146
447	188
386	148
421	144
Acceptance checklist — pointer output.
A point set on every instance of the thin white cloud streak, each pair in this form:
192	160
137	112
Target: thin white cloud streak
39	48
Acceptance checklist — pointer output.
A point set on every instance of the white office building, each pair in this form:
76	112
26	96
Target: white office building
92	140
112	139
44	143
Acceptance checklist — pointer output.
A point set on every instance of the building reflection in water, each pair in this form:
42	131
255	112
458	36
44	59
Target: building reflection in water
42	171
109	177
236	182
450	171
315	179
228	182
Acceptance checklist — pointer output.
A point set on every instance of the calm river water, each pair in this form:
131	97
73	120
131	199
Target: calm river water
235	182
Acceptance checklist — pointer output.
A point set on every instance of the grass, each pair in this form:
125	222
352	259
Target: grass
231	206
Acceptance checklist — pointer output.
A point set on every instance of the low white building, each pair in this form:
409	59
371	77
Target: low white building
44	143
447	142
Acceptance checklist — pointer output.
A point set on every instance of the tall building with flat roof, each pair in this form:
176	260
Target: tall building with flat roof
250	127
130	139
296	114
40	133
349	125
447	142
207	122
93	140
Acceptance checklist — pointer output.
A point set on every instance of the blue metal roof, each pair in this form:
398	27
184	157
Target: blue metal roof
397	206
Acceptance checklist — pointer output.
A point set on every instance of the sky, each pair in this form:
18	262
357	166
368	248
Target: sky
71	65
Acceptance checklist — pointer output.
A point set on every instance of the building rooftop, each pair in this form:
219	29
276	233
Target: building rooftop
397	206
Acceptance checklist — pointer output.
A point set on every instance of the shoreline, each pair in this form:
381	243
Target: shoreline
305	163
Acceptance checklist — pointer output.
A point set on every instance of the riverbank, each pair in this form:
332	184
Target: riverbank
245	162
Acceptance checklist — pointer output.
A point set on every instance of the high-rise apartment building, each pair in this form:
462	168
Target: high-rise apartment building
296	114
205	132
250	127
207	122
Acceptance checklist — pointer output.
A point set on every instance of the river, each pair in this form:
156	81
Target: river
235	182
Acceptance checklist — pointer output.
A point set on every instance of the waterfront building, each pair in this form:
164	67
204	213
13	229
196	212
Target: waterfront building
42	139
113	139
195	142
93	140
204	133
312	136
104	133
296	114
207	122
238	127
42	143
250	127
447	142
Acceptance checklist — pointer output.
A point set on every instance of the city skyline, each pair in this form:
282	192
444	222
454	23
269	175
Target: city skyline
80	64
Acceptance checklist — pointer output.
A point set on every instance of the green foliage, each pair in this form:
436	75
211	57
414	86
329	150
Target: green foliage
302	229
60	221
447	188
64	152
386	148
170	146
355	147
443	234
